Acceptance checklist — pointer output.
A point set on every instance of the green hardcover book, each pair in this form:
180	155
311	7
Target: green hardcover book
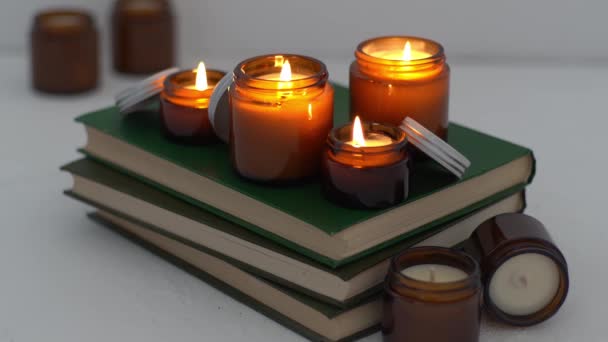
126	197
311	318
298	216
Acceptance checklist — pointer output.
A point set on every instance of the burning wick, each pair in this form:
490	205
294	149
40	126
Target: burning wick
201	77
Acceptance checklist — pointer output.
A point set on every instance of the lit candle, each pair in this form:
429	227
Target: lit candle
282	111
365	166
367	140
432	294
395	77
525	274
185	102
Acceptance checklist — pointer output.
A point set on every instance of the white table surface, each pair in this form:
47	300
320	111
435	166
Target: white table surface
63	278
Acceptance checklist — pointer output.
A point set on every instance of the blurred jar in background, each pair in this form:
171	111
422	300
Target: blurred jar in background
64	51
142	36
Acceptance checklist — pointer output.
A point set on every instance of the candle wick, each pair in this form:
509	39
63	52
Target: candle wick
519	281
524	281
432	274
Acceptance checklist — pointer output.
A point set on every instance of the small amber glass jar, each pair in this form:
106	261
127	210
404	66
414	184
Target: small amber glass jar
440	306
184	109
64	52
399	76
142	36
279	119
525	274
369	176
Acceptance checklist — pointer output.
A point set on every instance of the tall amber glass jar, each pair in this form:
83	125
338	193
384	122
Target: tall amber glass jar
432	294
399	76
142	36
280	119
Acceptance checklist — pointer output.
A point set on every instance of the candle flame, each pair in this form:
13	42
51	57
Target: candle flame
285	72
358	138
407	51
201	77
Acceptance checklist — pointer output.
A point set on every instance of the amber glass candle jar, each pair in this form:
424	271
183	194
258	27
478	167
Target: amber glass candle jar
281	112
142	36
395	77
184	107
64	52
525	274
370	174
432	294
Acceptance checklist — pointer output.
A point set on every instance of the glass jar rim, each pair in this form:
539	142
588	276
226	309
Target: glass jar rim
174	82
42	21
473	270
336	143
319	74
438	55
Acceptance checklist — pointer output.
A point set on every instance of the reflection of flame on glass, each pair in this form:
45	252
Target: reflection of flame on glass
201	77
278	61
285	72
310	111
407	51
358	138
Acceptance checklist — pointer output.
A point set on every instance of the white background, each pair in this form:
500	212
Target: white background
534	72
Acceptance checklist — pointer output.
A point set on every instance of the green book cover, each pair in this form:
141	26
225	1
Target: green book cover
130	186
329	311
143	131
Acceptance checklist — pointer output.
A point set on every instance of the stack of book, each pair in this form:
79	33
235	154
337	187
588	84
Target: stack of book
286	251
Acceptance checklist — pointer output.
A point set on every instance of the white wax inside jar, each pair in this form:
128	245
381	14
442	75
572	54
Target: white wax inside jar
435	273
373	140
524	284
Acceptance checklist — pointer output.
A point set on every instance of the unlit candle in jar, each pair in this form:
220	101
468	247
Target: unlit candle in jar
524	284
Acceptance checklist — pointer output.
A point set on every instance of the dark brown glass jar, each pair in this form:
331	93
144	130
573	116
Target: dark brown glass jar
366	176
64	52
184	109
432	294
143	36
398	76
525	274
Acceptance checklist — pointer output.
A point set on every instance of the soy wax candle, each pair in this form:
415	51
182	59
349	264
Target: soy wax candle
399	76
365	165
185	103
432	294
525	274
281	113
